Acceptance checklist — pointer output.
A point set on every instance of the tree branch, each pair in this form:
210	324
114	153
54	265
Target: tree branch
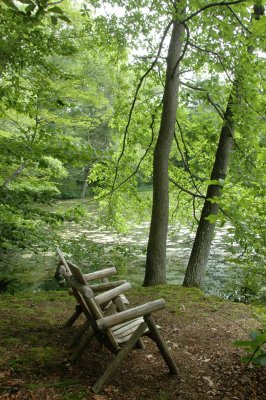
13	176
37	121
194	209
217	107
135	99
184	48
186	167
225	213
54	3
139	163
215	54
186	153
186	190
253	109
238	19
222	115
203	50
218	3
141	159
246	157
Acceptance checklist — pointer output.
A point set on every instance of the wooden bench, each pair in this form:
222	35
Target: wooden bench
103	275
120	331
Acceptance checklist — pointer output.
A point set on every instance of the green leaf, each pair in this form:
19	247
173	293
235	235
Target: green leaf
212	218
64	18
10	4
254	334
214	200
260	339
259	28
246	359
243	343
261	360
56	10
40	12
54	19
212	182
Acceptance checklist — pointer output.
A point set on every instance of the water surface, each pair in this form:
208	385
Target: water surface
35	271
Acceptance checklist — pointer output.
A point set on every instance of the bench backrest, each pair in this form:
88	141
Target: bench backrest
90	306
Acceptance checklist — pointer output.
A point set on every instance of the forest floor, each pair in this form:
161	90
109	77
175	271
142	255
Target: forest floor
199	330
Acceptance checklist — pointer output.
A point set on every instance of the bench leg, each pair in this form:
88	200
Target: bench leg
74	317
77	335
97	387
157	337
85	340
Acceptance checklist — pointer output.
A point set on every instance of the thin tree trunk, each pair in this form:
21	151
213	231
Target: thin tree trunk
14	176
201	248
155	272
200	251
85	182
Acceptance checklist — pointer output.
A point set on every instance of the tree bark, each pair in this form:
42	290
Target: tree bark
200	251
155	272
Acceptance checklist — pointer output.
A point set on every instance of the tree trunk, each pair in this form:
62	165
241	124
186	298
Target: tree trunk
201	248
85	181
200	251
155	272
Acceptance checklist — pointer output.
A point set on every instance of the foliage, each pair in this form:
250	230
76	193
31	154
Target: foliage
92	256
256	348
68	83
52	109
28	169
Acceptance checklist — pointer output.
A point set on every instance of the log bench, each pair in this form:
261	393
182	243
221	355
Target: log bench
120	331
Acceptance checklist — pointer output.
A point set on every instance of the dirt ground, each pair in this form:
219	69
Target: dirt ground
34	361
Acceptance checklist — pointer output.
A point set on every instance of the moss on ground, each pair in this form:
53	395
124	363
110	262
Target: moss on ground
187	301
173	294
39	357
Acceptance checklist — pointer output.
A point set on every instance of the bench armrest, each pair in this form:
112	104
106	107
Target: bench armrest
101	287
111	294
127	315
103	273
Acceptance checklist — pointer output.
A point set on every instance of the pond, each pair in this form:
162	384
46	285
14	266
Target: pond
23	271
